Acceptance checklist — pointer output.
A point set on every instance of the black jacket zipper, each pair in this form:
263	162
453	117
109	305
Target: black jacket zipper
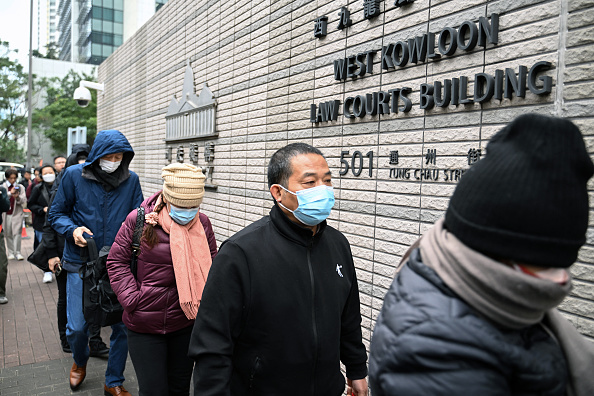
253	374
313	317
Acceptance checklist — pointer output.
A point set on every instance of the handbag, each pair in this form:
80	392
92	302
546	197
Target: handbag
39	257
100	303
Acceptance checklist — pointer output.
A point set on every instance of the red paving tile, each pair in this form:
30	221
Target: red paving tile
28	322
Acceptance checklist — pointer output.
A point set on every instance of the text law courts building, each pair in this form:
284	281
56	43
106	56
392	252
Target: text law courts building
401	98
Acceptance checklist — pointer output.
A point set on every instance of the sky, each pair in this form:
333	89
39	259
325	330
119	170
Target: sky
14	28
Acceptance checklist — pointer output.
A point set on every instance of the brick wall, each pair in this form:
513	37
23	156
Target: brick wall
265	67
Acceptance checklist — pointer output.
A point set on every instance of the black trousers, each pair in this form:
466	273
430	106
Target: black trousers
161	362
94	330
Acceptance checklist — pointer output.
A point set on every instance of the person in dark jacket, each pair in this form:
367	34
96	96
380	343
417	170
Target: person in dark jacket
39	204
4	207
26	178
161	302
93	200
473	309
54	247
280	309
59	163
36	180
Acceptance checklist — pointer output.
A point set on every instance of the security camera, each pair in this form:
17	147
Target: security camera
82	96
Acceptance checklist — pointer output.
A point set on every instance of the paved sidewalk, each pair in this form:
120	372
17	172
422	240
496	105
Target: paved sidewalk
31	359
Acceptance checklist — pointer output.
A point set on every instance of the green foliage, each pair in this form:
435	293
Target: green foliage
11	152
52	52
13	114
62	112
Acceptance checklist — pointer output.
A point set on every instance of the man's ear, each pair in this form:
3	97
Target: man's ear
276	192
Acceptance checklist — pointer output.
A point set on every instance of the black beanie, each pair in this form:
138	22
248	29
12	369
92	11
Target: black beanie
527	200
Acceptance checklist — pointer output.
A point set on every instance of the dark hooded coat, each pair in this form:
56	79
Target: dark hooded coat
83	199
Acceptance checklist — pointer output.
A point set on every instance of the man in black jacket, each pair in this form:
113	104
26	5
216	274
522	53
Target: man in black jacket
280	309
4	207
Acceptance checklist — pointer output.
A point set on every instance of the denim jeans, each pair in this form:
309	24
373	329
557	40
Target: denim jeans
77	332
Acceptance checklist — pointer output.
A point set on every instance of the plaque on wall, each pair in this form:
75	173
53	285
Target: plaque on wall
192	117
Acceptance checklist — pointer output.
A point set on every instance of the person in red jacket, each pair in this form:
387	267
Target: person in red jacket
161	303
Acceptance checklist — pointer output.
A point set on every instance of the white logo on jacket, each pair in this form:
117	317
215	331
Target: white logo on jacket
338	267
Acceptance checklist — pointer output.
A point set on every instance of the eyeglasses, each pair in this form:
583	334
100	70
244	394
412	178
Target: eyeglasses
58	268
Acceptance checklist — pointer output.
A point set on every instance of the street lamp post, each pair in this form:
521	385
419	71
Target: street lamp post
30	91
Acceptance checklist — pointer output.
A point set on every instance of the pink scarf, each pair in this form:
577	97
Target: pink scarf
191	260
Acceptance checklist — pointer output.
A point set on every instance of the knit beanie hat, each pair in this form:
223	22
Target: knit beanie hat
527	200
183	185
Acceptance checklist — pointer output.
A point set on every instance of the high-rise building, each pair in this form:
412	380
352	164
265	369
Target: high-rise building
90	30
45	24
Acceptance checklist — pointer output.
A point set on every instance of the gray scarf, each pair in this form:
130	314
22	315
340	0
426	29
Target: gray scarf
509	298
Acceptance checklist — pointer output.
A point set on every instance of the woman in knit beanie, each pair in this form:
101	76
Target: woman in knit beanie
473	308
161	303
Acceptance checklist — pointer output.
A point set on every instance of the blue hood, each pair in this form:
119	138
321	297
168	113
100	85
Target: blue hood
110	142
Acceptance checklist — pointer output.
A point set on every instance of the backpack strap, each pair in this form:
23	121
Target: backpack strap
87	254
136	240
93	253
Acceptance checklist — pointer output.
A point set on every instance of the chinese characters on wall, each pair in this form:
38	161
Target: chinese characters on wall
193	154
356	162
371	9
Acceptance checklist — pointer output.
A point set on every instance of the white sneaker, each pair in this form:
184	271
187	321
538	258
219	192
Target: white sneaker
47	277
10	256
19	257
3	300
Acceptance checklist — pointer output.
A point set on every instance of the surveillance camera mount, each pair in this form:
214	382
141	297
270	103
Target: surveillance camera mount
92	85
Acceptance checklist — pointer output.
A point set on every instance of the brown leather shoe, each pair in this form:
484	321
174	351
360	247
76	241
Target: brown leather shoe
115	391
77	375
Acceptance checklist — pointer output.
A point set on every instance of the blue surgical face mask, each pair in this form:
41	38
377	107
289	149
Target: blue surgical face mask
315	204
182	216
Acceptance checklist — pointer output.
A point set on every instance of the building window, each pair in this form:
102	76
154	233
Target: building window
96	49
108	14
108	26
97	12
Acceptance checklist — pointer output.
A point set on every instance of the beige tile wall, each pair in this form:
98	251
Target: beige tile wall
265	67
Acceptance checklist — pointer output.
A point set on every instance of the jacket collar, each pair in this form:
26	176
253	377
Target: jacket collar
292	231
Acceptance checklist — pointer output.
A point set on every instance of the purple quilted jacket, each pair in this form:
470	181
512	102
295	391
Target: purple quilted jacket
151	303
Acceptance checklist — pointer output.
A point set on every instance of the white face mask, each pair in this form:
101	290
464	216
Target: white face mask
49	177
109	166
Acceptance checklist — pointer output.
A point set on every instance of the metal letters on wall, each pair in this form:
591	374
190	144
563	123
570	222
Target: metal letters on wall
193	116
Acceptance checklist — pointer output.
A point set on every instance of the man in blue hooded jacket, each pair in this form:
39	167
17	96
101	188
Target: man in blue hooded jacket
94	198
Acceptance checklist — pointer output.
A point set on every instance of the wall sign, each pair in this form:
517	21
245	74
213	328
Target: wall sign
431	46
357	162
191	119
192	116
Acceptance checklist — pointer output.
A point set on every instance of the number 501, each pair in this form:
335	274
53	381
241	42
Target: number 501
356	158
